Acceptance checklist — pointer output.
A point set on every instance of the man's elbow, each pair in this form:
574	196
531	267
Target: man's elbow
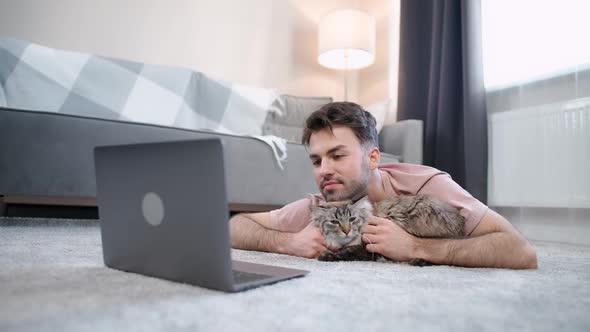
529	256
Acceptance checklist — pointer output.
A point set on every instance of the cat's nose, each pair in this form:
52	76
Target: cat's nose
345	228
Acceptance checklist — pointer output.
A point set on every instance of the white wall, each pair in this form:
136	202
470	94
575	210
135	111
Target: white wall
269	43
379	82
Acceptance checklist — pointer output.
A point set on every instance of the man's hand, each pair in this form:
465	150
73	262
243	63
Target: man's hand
254	232
493	243
388	239
308	242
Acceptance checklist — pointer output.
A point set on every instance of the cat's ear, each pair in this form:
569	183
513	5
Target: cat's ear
317	212
316	208
334	204
361	202
364	204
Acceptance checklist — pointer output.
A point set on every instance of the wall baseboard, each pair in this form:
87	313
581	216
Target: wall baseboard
565	225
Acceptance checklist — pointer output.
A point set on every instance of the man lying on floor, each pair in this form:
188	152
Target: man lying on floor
342	141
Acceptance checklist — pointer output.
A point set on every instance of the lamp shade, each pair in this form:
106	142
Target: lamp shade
346	39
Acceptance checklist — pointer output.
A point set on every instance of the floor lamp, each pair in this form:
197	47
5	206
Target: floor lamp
346	41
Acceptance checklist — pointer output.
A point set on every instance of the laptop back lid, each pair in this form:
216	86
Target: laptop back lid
164	212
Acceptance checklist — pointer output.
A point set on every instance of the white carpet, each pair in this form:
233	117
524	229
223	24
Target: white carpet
52	278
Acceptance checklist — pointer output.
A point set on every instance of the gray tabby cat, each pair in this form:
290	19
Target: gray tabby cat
423	216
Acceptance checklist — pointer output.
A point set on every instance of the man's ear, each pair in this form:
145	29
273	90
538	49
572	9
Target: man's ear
374	156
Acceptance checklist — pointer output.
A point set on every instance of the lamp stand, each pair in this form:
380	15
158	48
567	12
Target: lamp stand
346	73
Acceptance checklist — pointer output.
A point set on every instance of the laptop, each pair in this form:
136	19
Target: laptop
164	213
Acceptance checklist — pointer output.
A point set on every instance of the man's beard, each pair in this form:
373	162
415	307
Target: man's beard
353	190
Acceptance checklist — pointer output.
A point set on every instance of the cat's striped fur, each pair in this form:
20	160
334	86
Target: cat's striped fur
419	215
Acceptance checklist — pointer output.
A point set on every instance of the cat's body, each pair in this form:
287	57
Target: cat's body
422	216
419	215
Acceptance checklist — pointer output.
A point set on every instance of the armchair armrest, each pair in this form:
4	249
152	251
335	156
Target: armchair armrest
403	138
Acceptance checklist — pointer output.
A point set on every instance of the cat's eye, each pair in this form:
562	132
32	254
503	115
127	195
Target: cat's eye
334	221
352	219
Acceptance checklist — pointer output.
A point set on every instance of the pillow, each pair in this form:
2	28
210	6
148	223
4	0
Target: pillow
381	112
287	116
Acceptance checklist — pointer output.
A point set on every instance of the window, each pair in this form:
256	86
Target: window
527	40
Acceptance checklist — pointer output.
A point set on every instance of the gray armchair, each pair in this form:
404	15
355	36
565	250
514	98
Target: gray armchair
404	139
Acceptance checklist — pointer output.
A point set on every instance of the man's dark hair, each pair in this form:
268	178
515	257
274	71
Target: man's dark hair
346	114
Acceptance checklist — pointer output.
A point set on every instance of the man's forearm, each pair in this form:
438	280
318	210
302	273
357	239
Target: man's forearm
498	249
247	234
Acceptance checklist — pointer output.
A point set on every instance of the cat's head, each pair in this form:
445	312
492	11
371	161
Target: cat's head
341	222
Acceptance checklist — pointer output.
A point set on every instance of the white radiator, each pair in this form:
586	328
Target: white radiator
540	156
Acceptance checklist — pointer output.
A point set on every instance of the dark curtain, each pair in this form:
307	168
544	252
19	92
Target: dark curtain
441	83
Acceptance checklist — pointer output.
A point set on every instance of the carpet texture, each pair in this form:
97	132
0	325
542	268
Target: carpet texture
52	278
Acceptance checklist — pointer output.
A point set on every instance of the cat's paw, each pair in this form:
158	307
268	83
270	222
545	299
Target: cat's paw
328	256
420	262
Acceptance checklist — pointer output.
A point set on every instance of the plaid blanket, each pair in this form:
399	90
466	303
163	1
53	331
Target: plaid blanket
35	77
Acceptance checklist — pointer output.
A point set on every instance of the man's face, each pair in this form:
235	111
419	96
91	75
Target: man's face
340	164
